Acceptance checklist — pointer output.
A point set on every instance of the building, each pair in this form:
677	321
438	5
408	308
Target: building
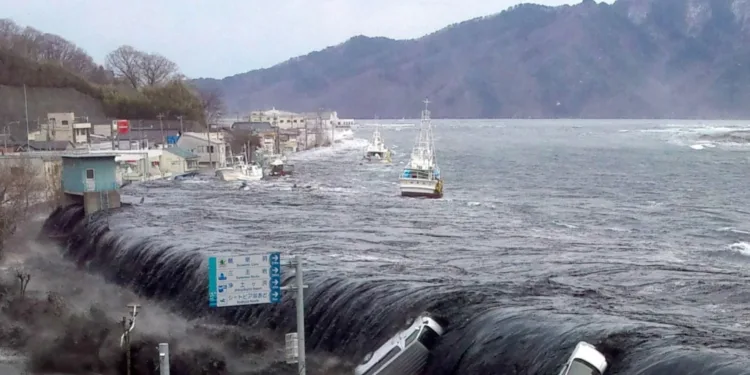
243	135
277	118
175	161
91	179
210	148
65	126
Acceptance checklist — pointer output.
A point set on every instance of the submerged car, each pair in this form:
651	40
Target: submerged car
405	353
585	360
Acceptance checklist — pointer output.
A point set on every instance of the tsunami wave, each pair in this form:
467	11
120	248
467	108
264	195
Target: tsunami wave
349	317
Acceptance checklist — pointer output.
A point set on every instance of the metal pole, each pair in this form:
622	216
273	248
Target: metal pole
208	147
163	359
26	107
300	315
161	126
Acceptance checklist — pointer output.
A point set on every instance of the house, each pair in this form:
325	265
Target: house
91	179
144	138
210	148
175	161
240	135
65	126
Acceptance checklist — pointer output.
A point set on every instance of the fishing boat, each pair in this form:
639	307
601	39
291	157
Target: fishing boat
377	150
279	167
240	170
421	176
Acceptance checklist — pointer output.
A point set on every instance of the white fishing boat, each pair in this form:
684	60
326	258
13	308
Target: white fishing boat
377	150
279	167
240	170
421	176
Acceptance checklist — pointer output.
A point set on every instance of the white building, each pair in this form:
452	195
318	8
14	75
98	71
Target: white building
64	126
209	150
282	119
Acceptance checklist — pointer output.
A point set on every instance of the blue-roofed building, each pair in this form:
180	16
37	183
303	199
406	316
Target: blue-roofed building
176	161
91	179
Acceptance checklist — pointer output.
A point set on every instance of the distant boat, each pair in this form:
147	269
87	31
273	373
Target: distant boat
279	167
240	171
421	176
377	149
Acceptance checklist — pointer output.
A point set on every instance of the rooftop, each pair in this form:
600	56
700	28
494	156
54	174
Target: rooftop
89	156
252	125
181	152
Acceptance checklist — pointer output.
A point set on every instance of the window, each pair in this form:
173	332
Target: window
210	149
65	122
89	174
411	337
579	367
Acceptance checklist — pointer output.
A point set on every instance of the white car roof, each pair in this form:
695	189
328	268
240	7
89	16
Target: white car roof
588	353
399	339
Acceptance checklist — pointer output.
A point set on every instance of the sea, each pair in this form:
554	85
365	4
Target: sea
631	235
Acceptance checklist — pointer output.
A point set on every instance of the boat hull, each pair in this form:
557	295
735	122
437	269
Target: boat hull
234	175
421	188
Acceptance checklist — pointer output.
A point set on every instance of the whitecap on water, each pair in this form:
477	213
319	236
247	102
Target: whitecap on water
741	247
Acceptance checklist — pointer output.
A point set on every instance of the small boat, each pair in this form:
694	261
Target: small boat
279	167
240	171
421	176
377	149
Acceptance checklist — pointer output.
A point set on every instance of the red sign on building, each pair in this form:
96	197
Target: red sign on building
123	126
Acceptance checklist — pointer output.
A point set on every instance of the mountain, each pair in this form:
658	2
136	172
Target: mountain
630	59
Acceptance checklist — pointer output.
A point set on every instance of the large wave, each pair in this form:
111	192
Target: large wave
349	317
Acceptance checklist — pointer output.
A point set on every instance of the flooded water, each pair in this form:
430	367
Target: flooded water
632	235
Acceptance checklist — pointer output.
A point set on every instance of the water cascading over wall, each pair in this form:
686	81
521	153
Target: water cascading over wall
350	317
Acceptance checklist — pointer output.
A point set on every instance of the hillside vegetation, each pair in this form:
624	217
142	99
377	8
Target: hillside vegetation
631	59
131	84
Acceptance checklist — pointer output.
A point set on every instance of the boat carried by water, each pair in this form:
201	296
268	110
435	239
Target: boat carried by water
421	176
377	150
280	167
240	170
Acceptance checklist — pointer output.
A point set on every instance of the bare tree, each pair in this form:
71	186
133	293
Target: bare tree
125	62
156	69
9	31
212	104
17	189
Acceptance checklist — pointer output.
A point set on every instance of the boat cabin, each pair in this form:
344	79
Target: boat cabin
279	168
421	174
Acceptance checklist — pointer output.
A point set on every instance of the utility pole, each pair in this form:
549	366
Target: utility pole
127	327
182	129
300	302
277	144
26	107
307	134
209	146
160	116
163	359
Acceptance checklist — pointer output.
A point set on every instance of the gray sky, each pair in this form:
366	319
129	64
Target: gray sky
218	38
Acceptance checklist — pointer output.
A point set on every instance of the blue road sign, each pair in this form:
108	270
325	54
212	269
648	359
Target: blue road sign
244	279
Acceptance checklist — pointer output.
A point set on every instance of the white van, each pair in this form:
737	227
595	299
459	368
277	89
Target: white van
405	353
585	360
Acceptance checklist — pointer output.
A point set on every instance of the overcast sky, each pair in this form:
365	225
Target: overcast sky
218	38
